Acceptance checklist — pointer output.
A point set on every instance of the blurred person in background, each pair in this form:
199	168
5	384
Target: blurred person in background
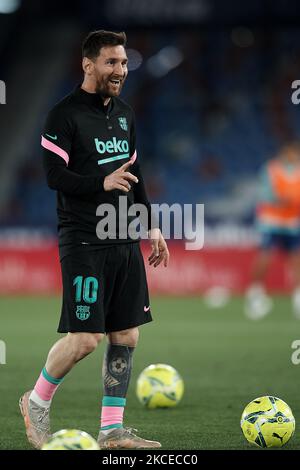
278	222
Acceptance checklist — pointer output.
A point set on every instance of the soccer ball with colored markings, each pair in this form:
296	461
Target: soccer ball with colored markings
71	439
268	422
159	386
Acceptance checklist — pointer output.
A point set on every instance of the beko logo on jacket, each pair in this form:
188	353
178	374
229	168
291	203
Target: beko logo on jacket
121	147
111	146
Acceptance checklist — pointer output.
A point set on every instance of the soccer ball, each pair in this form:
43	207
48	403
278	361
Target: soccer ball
71	439
159	386
268	422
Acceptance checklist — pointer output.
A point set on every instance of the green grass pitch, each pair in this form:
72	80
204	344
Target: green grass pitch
225	360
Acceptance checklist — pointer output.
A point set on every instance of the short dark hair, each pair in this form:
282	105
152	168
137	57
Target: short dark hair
96	39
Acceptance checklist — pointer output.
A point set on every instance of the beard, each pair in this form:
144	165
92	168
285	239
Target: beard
106	89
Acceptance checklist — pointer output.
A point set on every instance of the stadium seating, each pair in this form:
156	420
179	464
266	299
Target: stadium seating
203	128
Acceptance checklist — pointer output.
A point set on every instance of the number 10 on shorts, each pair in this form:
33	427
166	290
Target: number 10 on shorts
86	289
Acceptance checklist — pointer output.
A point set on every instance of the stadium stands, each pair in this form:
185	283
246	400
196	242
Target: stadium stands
205	127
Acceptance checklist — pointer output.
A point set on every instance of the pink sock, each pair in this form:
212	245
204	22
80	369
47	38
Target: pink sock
45	389
46	386
112	417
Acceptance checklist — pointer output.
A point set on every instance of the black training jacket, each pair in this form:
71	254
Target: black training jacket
84	141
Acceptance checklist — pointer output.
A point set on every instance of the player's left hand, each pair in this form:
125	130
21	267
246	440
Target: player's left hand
160	250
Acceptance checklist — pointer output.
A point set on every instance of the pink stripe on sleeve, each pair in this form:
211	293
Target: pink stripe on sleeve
134	156
55	149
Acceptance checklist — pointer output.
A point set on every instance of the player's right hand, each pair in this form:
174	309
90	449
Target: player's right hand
120	179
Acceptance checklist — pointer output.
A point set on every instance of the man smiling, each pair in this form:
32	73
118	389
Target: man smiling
90	159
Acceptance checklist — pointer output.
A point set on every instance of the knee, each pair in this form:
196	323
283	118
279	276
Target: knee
84	343
127	337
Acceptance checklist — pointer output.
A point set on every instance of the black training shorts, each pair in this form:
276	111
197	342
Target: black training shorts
104	290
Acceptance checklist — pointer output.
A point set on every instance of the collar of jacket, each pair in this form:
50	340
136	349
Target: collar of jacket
93	99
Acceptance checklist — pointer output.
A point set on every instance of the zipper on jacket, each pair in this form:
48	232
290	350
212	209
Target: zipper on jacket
109	126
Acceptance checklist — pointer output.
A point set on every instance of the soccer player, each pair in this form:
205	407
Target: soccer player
278	221
90	159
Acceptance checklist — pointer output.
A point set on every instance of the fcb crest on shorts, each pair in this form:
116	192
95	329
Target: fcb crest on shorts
83	312
123	123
